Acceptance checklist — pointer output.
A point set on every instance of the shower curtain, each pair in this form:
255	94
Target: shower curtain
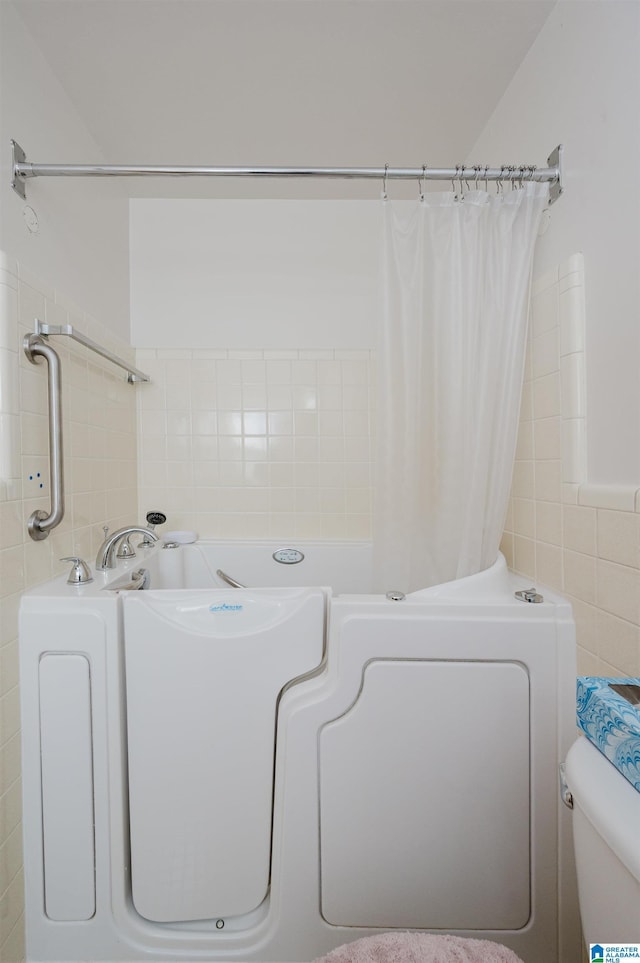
455	293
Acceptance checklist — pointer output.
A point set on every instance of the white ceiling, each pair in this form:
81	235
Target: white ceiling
283	82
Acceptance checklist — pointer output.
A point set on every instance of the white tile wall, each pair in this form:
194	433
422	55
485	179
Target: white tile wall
99	432
580	539
257	443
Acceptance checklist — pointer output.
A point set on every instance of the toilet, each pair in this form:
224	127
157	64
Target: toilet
606	833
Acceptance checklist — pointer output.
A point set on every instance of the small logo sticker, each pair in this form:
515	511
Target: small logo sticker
613	952
225	607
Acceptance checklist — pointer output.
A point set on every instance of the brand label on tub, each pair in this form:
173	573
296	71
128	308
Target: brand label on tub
225	607
288	556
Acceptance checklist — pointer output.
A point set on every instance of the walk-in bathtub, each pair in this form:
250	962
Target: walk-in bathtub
264	773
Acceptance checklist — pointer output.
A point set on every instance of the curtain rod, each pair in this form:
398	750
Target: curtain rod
22	169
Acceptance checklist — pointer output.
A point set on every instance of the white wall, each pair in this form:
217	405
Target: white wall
74	270
81	246
254	273
580	86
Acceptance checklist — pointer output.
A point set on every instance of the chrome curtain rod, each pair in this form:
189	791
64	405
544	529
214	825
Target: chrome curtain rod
22	169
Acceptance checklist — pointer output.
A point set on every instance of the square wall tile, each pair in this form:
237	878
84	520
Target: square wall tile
579	529
619	590
544	311
580	576
548	522
545	353
619	537
546	396
549	566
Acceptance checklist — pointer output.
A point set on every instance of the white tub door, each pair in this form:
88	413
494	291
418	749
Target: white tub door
424	799
203	674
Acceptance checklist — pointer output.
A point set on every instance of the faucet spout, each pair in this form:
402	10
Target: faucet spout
105	557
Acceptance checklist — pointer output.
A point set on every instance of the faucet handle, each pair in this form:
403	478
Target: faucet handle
80	574
126	549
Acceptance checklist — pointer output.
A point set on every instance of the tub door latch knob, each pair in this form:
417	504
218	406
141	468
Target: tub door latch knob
529	595
80	574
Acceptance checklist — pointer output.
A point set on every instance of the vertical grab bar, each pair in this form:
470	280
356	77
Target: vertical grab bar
40	524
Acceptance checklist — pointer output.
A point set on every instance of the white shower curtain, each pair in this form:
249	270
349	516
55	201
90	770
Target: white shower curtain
455	295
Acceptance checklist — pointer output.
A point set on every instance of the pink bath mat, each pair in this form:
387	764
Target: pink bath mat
419	948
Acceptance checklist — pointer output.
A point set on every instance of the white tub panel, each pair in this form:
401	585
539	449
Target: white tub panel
476	620
203	677
424	799
67	787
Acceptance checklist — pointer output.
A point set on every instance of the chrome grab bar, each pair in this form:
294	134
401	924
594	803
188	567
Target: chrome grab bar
227	578
40	524
133	374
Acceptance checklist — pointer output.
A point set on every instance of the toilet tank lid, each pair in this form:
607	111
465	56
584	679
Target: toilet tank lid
607	799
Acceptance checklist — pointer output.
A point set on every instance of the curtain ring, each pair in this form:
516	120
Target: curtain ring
422	182
486	179
453	183
384	183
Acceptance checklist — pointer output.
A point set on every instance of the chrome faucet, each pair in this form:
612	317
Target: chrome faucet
106	552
